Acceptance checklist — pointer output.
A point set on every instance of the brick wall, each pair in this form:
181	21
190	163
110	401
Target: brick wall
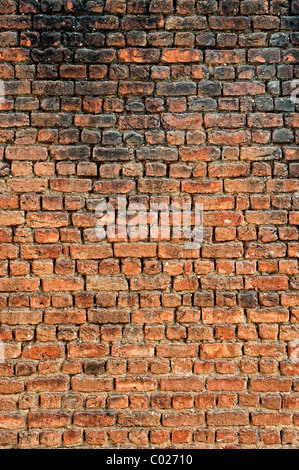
135	343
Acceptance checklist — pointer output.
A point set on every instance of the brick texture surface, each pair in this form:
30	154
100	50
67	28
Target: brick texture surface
142	343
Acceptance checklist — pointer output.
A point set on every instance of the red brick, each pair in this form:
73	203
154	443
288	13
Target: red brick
62	284
181	55
26	153
182	121
218	350
227	418
48	420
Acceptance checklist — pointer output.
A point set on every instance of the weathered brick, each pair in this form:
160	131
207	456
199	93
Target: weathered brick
11	218
182	121
232	23
175	88
62	284
106	283
87	350
19	284
225	57
116	186
48	419
139	56
181	55
228	418
138	122
26	153
218	350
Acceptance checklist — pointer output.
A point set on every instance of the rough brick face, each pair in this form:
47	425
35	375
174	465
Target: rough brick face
124	342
